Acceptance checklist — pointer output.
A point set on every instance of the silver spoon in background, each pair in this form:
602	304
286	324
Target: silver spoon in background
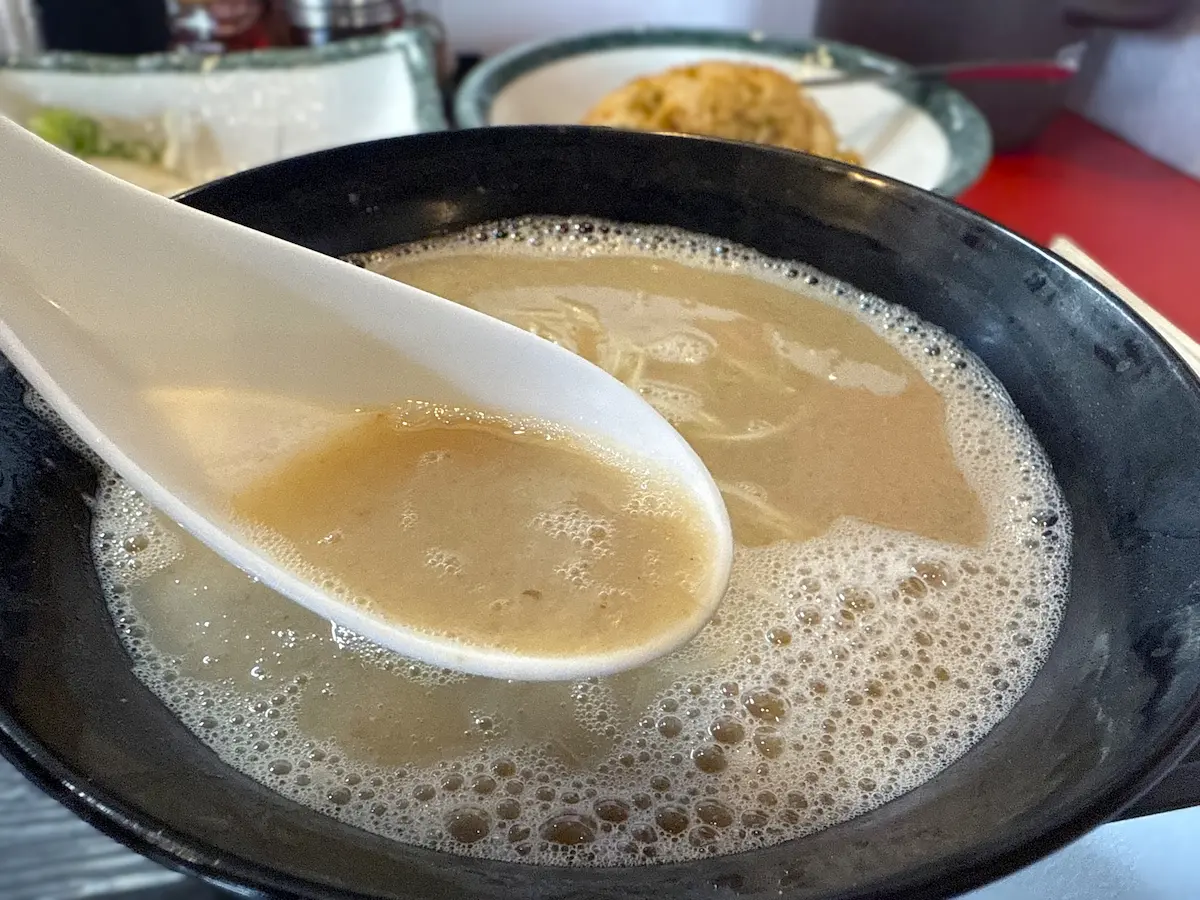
1060	68
174	343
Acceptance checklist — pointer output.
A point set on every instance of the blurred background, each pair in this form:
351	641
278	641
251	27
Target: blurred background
1140	58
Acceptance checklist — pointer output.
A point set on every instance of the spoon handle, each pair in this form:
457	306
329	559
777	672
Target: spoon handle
989	70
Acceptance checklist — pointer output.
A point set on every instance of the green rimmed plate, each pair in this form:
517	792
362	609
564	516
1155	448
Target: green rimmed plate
222	114
928	135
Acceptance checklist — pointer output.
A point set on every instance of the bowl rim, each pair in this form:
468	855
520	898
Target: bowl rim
160	842
403	39
966	129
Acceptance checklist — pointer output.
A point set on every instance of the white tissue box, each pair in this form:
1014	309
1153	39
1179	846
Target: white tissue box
1144	87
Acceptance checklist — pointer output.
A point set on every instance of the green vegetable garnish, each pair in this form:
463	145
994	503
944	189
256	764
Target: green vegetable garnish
82	135
72	132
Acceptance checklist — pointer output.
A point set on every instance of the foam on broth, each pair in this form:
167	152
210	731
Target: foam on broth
862	647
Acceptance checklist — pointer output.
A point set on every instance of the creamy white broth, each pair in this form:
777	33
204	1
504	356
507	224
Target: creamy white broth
574	549
900	573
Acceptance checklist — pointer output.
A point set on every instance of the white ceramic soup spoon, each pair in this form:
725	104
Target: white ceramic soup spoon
184	349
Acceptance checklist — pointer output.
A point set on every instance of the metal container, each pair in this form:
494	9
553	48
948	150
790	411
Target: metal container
317	22
20	32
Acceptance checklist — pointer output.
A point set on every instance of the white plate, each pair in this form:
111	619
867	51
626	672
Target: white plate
937	141
245	109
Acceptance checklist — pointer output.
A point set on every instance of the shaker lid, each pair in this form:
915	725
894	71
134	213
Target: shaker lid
343	14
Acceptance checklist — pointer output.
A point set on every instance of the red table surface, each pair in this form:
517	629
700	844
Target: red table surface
1137	217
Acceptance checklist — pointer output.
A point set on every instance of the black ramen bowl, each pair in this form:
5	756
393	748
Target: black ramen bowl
1116	410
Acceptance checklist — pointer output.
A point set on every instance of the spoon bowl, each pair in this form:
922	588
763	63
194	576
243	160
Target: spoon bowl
185	350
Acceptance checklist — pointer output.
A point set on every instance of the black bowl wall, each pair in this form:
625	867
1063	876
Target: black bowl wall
1117	412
